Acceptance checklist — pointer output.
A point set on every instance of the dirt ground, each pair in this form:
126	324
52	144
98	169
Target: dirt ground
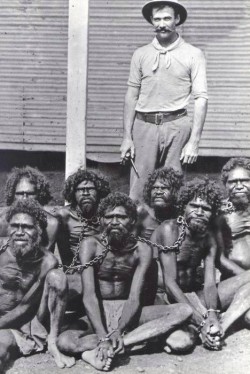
234	358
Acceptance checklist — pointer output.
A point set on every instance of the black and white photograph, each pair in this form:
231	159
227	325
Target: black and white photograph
125	186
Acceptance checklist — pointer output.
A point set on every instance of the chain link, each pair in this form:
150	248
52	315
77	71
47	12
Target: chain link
98	259
87	223
172	248
4	246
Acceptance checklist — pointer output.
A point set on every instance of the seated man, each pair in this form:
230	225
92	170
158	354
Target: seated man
83	190
233	233
160	194
114	266
32	291
199	201
29	183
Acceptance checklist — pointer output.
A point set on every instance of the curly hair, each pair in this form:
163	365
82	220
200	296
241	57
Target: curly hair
233	163
116	199
101	184
35	177
30	207
172	177
204	189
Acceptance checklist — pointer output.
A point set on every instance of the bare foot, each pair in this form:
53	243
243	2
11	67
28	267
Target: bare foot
91	358
61	360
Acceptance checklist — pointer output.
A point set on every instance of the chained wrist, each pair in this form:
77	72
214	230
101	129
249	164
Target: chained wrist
111	333
102	340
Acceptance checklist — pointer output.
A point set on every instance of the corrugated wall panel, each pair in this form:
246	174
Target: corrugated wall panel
220	28
33	74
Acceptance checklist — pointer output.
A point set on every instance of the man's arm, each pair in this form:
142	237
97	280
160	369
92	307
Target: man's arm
227	265
190	151
52	232
212	325
133	302
90	299
131	99
27	309
166	235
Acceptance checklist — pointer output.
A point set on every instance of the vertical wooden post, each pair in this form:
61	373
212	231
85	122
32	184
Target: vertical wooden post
77	85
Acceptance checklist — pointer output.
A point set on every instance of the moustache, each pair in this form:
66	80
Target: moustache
160	29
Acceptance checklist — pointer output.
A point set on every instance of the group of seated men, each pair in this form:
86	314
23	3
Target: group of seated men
129	273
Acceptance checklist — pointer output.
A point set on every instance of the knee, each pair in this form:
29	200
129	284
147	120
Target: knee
7	344
56	279
185	310
181	341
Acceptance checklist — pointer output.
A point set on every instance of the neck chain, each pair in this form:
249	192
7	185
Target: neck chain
172	248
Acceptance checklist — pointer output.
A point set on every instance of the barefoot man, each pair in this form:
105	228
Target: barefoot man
78	220
199	202
29	183
234	226
32	291
114	266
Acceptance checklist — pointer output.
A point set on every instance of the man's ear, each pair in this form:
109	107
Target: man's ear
177	20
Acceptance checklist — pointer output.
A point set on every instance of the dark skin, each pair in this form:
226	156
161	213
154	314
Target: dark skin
161	208
70	223
27	190
233	230
120	276
29	286
179	271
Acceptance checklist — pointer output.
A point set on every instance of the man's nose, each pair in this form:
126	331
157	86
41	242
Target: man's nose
25	196
239	184
114	221
199	210
162	23
19	231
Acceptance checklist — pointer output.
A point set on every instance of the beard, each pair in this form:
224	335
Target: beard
27	249
240	201
87	208
197	226
117	239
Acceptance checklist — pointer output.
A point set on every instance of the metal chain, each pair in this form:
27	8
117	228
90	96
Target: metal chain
229	209
86	224
176	246
4	246
94	261
98	259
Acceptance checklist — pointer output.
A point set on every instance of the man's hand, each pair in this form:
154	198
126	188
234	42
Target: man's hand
212	334
127	149
104	350
189	153
117	341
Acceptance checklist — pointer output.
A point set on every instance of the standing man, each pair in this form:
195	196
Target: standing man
233	233
29	183
163	74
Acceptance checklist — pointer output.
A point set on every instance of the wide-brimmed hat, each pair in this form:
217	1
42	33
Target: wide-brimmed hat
147	9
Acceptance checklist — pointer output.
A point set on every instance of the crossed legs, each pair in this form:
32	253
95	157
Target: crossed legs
154	321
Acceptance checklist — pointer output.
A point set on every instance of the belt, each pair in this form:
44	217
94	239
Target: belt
159	118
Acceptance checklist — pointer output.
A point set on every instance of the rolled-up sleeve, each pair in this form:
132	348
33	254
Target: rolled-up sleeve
199	76
134	79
